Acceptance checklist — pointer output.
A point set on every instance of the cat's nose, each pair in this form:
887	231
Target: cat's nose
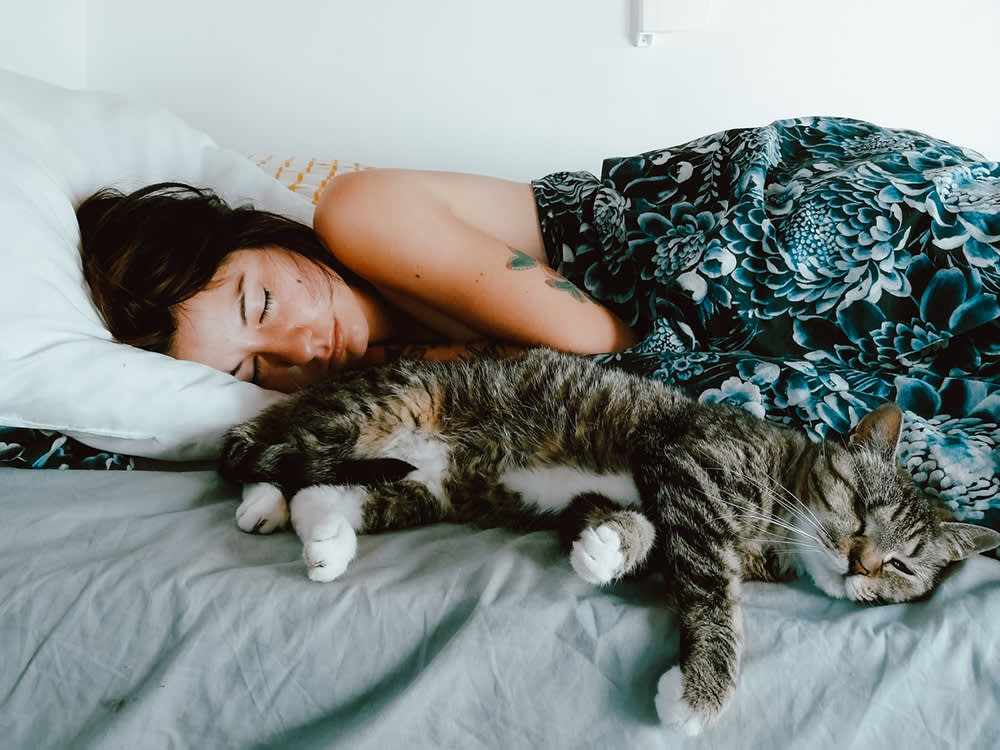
855	567
864	559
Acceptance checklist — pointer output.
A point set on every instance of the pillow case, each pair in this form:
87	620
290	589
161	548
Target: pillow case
60	370
305	177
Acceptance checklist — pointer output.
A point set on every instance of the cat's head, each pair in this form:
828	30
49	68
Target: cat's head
874	536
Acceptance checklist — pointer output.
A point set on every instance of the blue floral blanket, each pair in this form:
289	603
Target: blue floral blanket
808	270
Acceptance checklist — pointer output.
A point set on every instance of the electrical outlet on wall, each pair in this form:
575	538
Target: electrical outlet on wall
653	17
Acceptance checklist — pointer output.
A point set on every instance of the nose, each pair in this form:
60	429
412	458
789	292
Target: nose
856	567
863	559
294	346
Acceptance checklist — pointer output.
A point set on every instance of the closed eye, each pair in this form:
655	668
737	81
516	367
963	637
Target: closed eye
900	566
266	307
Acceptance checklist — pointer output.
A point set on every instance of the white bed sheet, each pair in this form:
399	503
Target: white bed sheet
134	614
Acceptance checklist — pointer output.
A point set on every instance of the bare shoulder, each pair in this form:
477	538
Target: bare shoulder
502	209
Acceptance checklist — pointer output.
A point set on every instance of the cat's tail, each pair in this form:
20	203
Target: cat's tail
245	460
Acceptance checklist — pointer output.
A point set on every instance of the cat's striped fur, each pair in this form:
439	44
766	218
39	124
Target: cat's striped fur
705	494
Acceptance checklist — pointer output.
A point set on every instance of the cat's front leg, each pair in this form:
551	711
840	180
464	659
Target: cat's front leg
326	519
691	696
264	509
607	541
613	548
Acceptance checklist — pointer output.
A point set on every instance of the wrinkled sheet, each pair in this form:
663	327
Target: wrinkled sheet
134	614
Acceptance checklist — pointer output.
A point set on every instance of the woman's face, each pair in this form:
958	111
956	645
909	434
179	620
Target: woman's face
273	318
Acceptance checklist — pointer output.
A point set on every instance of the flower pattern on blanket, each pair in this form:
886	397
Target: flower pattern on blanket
45	449
807	271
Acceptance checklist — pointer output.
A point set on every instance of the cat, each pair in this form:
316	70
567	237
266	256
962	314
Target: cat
635	474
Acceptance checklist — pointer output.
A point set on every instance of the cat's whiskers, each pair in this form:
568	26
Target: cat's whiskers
792	504
785	547
769	520
760	515
799	506
797	541
778	538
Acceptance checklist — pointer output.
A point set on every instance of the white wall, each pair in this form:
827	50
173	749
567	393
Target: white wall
44	39
522	87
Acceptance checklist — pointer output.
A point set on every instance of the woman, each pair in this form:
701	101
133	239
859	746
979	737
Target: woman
809	270
397	258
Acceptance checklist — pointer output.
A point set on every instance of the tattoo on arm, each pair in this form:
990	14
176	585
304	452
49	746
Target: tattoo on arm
521	261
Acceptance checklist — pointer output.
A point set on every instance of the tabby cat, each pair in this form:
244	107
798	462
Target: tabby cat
634	473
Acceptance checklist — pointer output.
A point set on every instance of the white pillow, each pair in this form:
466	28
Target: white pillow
59	368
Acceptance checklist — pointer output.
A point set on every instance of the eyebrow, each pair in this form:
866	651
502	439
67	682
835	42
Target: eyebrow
243	316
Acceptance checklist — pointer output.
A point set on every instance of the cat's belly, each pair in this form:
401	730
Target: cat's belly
428	453
551	488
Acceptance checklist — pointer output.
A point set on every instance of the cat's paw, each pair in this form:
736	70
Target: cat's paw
673	710
322	517
263	510
597	554
330	549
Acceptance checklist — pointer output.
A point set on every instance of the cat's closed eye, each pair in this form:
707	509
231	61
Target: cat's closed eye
900	566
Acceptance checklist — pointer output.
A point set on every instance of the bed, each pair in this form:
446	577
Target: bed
134	613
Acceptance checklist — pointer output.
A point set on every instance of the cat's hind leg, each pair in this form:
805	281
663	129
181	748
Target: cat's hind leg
607	541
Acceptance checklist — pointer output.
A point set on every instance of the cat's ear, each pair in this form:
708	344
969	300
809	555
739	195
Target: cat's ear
879	431
966	539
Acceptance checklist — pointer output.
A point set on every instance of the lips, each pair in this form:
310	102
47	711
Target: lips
338	345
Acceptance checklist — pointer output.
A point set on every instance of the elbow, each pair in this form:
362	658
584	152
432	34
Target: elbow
615	337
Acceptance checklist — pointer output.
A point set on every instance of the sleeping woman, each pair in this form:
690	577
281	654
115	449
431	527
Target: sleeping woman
809	270
397	258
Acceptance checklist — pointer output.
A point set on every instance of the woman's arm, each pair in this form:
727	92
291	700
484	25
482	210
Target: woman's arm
464	255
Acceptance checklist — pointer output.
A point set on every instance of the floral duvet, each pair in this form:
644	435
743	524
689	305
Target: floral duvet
808	270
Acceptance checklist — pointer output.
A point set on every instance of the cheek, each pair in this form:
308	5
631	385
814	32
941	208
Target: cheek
317	283
839	534
896	588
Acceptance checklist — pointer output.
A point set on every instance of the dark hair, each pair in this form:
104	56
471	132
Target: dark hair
146	252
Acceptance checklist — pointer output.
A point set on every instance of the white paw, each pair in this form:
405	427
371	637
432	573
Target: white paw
263	510
673	710
325	517
330	549
597	554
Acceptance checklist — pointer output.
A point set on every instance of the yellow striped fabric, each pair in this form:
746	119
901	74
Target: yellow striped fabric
307	177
